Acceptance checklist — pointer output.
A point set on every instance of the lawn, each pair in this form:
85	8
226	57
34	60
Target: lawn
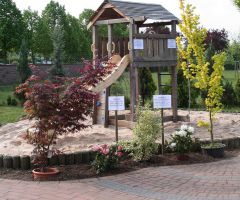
8	114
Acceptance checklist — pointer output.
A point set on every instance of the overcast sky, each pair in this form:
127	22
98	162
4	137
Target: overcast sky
213	13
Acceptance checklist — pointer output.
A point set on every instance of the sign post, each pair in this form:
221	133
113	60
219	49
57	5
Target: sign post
162	101
116	103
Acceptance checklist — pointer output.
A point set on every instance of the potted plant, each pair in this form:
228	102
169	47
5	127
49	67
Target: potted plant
181	142
58	107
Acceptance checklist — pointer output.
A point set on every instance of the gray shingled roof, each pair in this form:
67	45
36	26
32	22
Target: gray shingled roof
150	11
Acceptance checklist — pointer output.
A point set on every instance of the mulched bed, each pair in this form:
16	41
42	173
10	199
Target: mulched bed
82	171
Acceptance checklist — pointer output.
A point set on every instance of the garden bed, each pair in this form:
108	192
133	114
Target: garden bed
82	171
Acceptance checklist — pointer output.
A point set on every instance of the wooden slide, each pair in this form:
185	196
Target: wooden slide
121	65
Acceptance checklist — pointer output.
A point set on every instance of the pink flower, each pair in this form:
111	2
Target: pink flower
119	154
120	148
96	148
105	151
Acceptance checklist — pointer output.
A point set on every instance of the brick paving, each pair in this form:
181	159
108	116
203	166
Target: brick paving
218	180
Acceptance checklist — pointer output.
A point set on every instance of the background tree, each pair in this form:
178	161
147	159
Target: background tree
11	28
30	19
147	85
58	44
23	69
237	3
42	40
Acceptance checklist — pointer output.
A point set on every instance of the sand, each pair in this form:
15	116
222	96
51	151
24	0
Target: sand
227	125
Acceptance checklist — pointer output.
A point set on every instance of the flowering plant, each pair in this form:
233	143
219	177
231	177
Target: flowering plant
107	157
181	140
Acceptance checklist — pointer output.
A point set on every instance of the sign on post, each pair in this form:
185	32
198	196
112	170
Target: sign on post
116	103
162	101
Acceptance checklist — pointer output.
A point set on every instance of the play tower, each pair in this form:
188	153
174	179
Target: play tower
153	48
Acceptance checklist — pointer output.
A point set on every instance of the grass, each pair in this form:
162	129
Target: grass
230	75
9	114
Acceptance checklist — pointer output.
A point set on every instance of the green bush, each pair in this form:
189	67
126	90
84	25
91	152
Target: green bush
147	85
11	101
237	91
146	131
229	96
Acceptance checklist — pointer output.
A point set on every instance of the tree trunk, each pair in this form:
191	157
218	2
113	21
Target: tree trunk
211	125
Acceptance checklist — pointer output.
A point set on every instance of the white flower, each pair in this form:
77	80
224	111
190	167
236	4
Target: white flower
172	145
190	129
182	133
184	127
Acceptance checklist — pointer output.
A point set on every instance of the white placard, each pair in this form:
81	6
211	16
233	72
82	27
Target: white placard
138	44
162	101
116	103
172	44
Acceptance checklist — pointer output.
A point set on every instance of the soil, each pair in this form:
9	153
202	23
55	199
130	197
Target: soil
83	171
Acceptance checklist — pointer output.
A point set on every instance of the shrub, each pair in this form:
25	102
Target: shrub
107	157
229	96
146	131
237	91
147	85
11	101
181	141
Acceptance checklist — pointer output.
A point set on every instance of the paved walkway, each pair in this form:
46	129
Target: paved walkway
211	181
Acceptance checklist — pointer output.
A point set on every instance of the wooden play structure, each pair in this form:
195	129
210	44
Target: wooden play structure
155	48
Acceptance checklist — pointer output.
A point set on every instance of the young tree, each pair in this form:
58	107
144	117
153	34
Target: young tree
23	68
147	85
59	108
194	63
11	28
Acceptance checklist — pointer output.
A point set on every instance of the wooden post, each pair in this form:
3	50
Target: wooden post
162	122
174	82
94	51
110	40
174	94
133	72
116	125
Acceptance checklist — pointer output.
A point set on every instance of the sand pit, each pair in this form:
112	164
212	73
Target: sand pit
227	125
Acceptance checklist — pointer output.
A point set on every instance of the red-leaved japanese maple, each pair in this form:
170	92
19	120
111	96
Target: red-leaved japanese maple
59	107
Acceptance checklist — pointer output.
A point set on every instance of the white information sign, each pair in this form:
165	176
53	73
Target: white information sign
162	101
116	103
138	44
172	44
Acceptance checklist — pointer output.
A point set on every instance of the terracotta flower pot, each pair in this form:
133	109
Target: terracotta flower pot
182	157
46	175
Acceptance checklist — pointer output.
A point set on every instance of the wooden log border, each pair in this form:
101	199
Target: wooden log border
86	157
24	162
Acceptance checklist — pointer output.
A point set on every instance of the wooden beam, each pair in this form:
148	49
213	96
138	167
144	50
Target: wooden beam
110	40
112	21
174	93
159	24
94	49
155	36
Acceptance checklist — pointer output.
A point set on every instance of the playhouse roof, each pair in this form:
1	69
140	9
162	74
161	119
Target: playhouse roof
134	10
149	11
